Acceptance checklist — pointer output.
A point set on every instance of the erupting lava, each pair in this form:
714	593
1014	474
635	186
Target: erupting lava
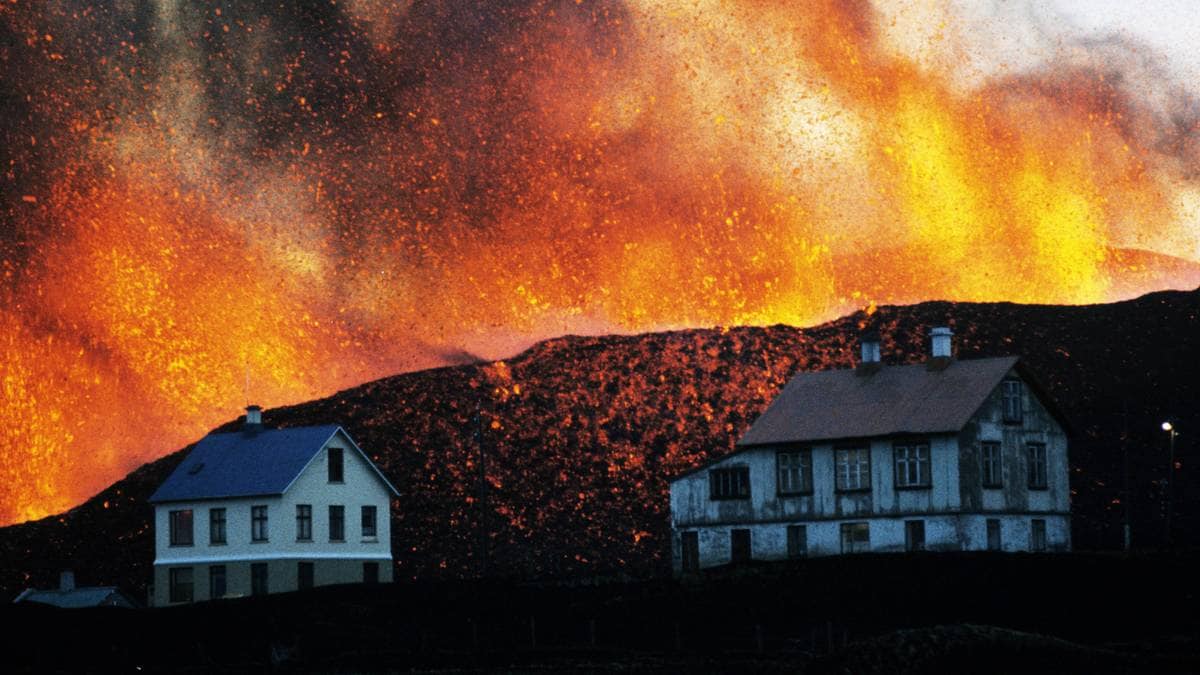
207	203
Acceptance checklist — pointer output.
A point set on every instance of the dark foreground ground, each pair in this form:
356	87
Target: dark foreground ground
980	613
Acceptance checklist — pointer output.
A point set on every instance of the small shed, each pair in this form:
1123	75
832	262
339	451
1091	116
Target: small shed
70	596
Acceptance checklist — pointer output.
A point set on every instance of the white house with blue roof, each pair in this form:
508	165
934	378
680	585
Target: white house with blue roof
262	511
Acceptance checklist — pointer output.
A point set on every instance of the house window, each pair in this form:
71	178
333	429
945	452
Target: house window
337	522
304	522
181	528
1012	400
1037	466
797	541
990	465
258	523
216	581
370	573
912	465
856	537
304	576
853	469
336	473
180	579
732	483
258	579
689	544
795	472
368	522
1037	535
993	534
914	535
216	526
739	545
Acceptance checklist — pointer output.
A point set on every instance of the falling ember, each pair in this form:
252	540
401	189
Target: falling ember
208	205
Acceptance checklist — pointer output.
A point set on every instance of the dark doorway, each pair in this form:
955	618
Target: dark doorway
739	545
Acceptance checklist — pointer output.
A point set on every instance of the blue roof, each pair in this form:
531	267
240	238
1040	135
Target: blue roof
248	464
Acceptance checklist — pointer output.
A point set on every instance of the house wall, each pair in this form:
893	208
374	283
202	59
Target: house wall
691	505
282	576
1038	426
361	486
947	532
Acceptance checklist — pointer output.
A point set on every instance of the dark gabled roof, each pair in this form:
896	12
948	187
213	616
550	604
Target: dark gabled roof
841	404
249	464
93	596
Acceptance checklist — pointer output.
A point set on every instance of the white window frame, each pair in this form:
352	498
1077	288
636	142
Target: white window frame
852	469
1038	466
340	519
1011	401
259	525
217	526
176	585
913	464
991	469
182	522
729	482
304	522
794	471
373	533
265	587
213	575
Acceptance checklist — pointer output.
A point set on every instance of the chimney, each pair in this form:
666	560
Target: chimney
66	581
942	348
869	341
253	418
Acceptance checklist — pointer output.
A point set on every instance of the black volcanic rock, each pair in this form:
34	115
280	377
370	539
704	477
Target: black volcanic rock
580	435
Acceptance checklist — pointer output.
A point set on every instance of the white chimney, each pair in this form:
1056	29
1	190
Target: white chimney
869	341
870	347
253	416
942	342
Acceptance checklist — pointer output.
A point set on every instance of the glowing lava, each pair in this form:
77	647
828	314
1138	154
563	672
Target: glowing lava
214	204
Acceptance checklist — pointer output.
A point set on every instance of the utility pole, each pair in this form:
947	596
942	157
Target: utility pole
1128	529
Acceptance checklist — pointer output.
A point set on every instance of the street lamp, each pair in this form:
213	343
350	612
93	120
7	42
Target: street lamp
1171	433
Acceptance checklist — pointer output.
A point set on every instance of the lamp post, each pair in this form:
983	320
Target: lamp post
1171	433
1125	495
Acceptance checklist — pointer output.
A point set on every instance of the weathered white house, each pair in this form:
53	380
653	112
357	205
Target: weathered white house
945	455
270	510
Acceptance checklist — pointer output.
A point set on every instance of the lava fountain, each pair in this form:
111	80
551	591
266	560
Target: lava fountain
207	204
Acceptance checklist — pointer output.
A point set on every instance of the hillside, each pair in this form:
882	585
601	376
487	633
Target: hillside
581	433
